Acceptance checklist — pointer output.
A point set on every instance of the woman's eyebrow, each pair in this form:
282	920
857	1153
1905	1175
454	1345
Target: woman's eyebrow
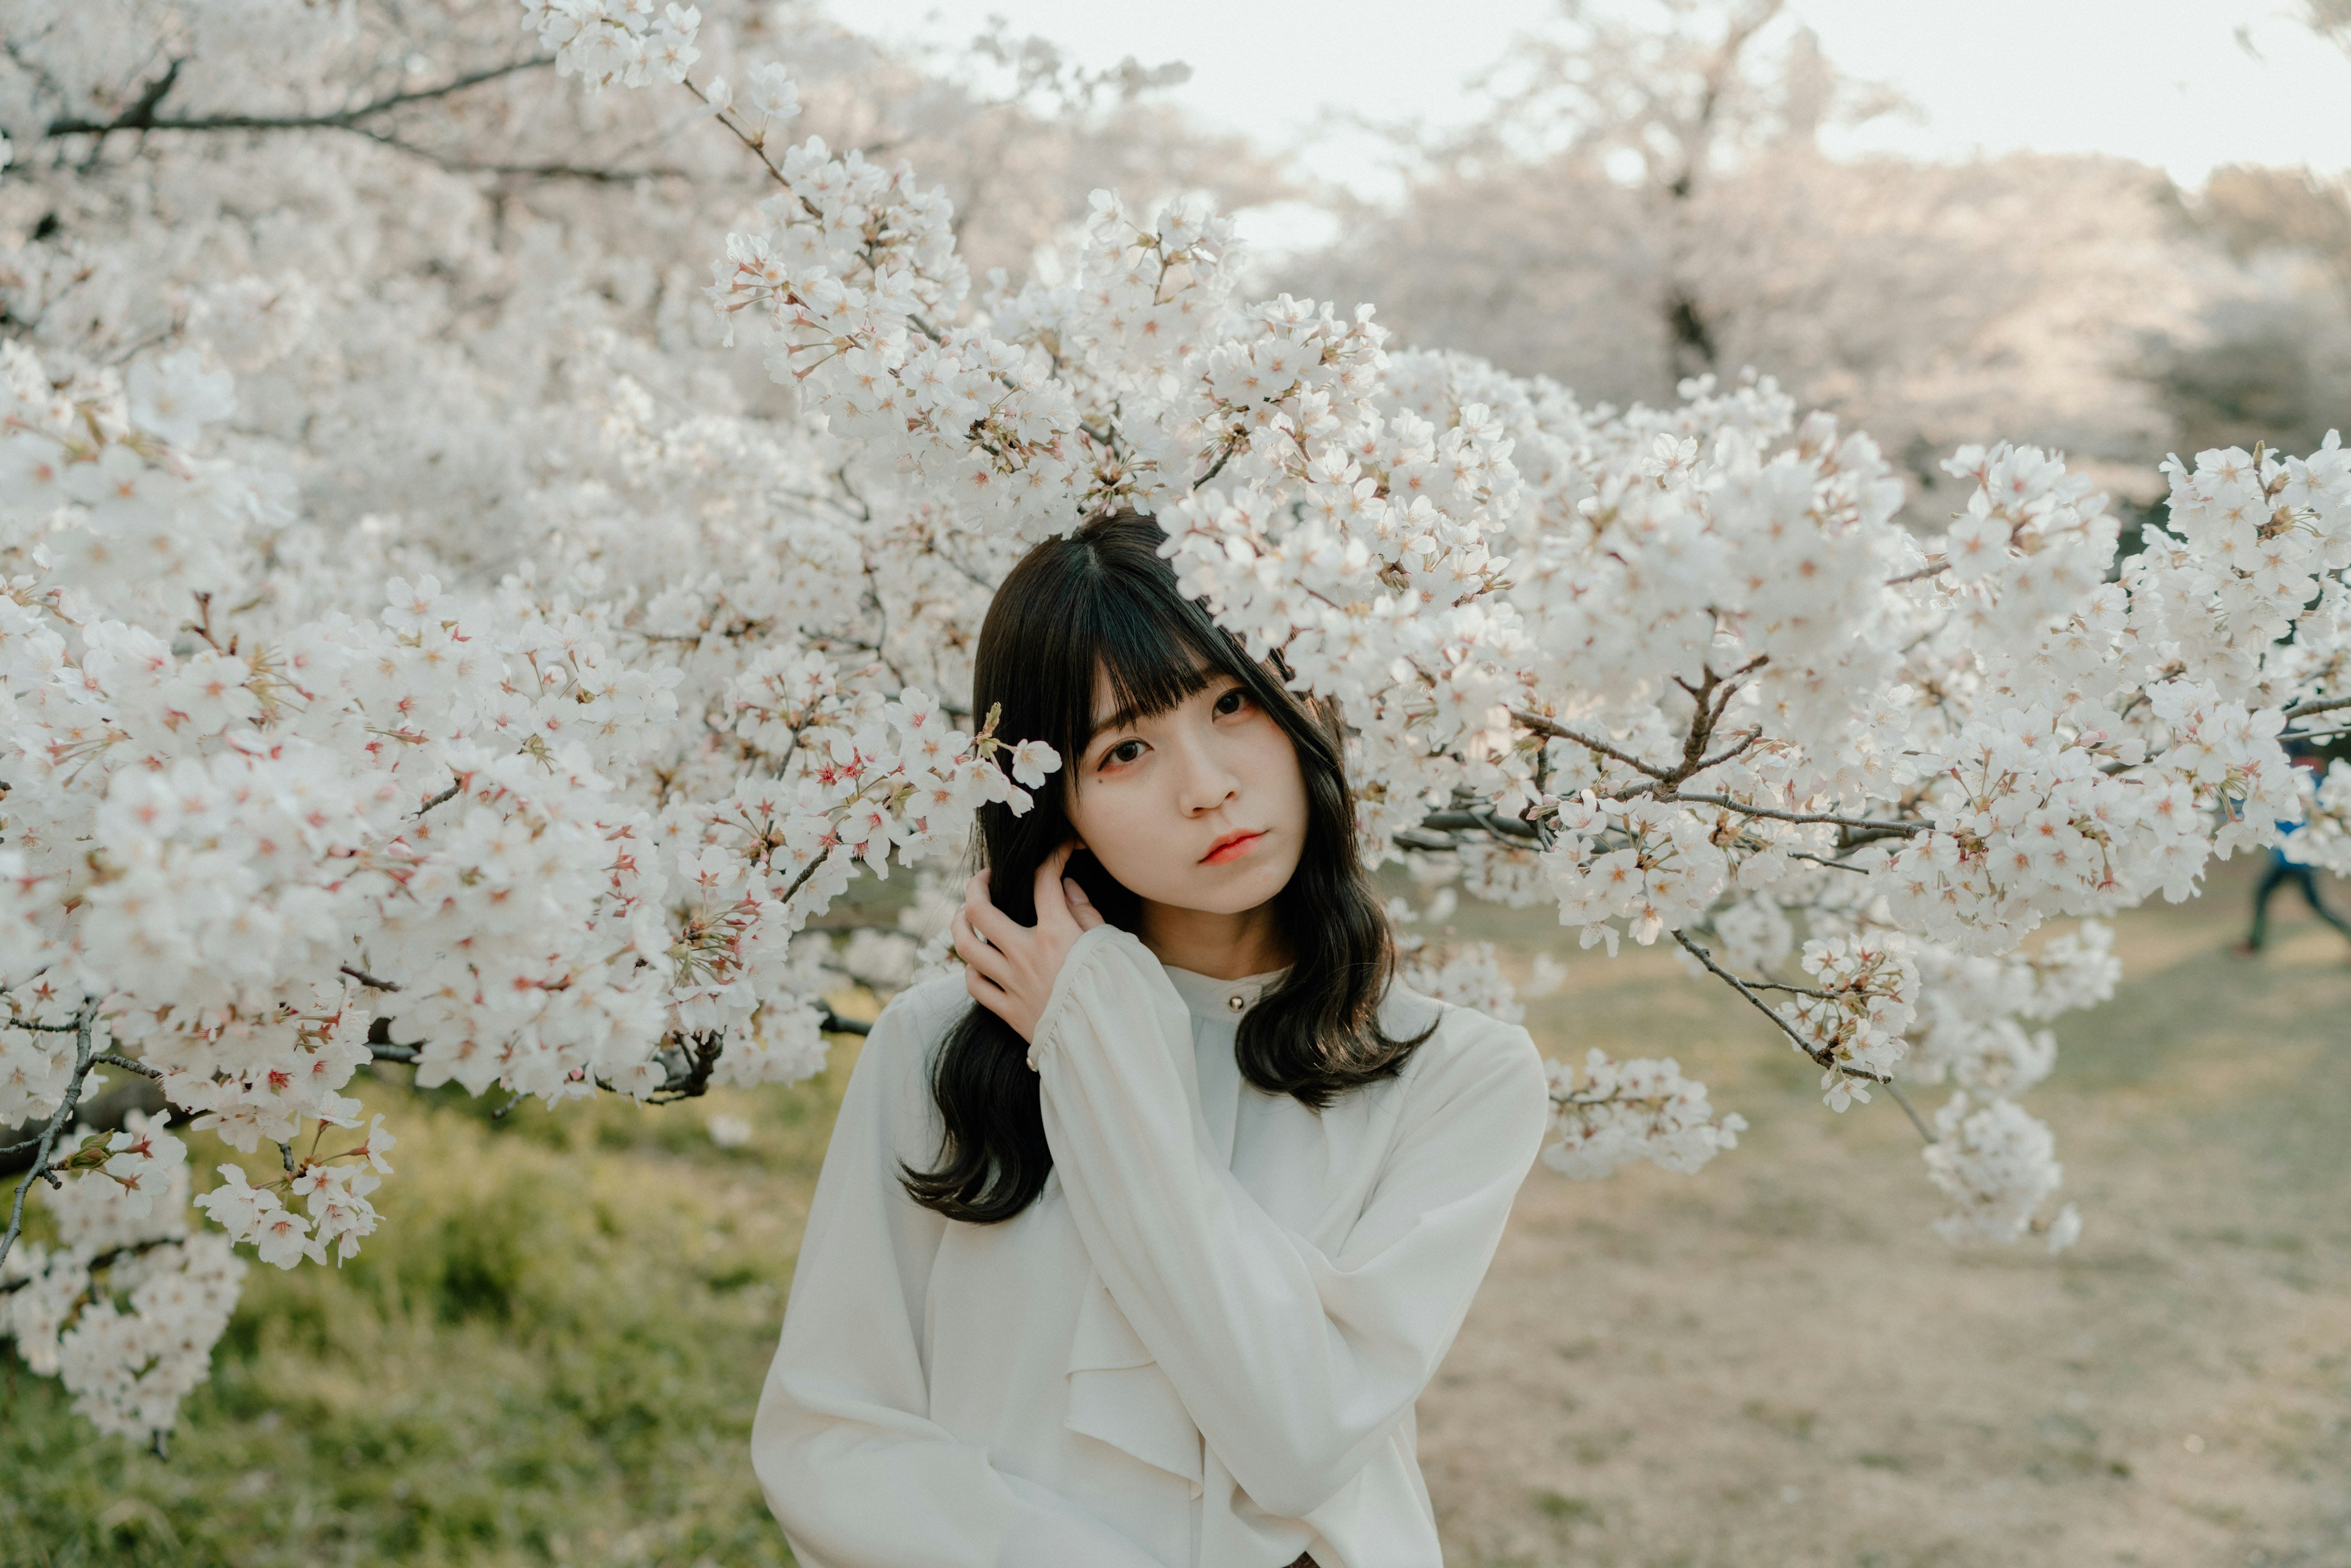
1118	720
1126	716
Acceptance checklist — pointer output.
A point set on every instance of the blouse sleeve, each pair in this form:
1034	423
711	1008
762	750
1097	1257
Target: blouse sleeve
854	1469
1294	1363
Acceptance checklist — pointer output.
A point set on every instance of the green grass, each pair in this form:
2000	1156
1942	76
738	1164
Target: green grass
550	1352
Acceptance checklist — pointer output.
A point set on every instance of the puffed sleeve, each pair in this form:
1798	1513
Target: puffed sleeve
1294	1363
856	1472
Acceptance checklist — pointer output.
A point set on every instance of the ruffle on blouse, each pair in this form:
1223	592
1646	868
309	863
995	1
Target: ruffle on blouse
1119	1395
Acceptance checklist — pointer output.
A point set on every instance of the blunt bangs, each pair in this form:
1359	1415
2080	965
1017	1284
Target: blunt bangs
1155	647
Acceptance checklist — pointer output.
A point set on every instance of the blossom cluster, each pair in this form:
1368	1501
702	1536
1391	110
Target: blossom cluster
125	1307
606	41
1994	1161
1853	1016
1608	1113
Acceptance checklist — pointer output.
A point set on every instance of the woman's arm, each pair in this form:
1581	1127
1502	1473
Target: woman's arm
1294	1363
854	1469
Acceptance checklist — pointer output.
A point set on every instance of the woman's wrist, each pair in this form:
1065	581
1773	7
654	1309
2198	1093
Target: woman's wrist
1082	952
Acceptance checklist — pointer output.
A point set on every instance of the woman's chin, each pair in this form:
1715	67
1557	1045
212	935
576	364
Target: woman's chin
1232	893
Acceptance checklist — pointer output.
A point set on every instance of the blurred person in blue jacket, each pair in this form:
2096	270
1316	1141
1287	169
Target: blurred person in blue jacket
2282	870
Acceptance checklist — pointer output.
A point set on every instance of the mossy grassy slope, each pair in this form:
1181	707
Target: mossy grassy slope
550	1352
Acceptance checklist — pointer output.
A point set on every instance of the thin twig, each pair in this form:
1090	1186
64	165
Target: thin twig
369	981
1908	1110
63	1117
1233	443
1557	731
1793	990
110	1059
1860	824
456	785
2305	709
1746	740
1819	1054
1824	861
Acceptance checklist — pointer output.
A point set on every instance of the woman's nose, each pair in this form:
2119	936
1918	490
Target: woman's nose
1208	782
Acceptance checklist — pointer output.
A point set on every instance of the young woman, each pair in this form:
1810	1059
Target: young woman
1134	1246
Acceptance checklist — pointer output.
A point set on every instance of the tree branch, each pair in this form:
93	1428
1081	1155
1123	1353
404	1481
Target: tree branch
141	116
369	981
1910	1111
83	1052
1860	824
2305	709
1471	821
112	1059
1557	731
1819	1055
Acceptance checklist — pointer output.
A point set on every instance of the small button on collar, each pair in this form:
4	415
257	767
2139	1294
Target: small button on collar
1236	1001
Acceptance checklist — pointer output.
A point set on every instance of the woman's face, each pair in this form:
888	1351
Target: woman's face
1202	807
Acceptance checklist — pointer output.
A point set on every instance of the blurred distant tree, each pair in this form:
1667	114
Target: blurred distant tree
1648	198
2254	211
2274	358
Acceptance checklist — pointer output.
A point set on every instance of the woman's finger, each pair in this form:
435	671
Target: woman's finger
987	993
1081	908
977	954
1051	904
988	921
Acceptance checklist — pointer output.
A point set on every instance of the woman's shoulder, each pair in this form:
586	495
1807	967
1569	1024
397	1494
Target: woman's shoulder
894	1064
1467	1046
913	1021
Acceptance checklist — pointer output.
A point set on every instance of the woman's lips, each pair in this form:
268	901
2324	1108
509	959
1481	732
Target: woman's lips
1232	848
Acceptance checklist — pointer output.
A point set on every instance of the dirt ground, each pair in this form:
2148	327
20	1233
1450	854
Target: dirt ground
1774	1363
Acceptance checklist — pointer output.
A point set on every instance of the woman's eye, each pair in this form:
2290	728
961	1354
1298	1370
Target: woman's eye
1232	702
1124	751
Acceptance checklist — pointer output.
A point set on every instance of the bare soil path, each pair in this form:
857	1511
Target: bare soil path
1773	1363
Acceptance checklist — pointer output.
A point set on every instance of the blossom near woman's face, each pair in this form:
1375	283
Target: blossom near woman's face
1202	807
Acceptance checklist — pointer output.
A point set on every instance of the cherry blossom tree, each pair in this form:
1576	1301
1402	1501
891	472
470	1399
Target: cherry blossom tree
1649	194
499	670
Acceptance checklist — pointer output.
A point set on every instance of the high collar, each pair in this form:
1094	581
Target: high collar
1213	999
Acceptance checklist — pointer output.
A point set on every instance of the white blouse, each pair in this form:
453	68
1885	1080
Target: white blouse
1198	1348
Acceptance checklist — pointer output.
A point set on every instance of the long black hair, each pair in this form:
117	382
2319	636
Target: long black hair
1103	599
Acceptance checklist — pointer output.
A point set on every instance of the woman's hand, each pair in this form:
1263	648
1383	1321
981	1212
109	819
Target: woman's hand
1009	969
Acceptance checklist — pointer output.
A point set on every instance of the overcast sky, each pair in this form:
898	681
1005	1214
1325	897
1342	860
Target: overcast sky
2165	81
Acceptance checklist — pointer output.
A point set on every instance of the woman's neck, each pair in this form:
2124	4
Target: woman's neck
1221	946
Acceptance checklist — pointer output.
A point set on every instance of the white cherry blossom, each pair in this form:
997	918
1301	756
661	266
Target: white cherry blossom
501	691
